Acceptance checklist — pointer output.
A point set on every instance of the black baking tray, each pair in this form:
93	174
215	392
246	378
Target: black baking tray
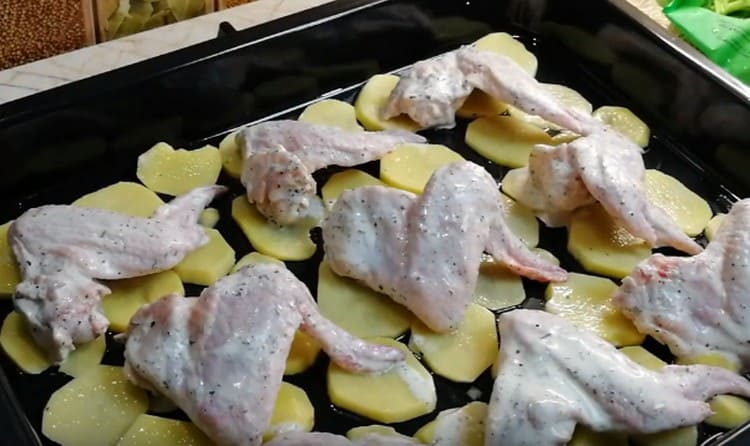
74	139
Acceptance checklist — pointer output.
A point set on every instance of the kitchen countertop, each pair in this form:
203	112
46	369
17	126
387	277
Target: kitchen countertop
36	76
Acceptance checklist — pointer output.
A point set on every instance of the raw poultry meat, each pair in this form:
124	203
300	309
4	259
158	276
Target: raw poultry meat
62	249
326	439
221	357
281	156
697	304
553	375
424	252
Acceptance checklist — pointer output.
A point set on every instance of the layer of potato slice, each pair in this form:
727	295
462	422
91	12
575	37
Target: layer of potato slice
175	172
281	242
403	393
331	112
209	217
601	245
292	411
586	301
370	101
713	226
84	357
209	263
93	409
359	432
231	155
480	104
463	354
691	212
564	95
410	166
497	286
624	121
586	437
302	355
124	197
129	294
521	221
150	430
346	180
10	275
254	258
358	309
715	359
470	429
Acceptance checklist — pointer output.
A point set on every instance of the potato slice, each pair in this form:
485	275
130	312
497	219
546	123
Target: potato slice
358	309
129	294
515	184
686	436
480	104
231	155
497	286
410	166
372	98
281	242
209	217
302	355
150	430
101	401
521	221
564	95
715	359
713	226
403	393
546	255
85	357
209	263
586	301
10	275
463	354
359	432
691	212
624	121
601	245
123	197
331	112
292	411
586	437
505	44
643	357
729	411
253	259
346	180
469	432
174	172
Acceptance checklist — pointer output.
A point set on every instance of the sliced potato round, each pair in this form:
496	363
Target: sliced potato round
281	242
358	309
101	401
150	430
713	226
691	212
403	393
302	355
463	354
480	104
174	172
460	426
292	411
10	275
209	263
371	100
521	221
517	184
360	432
586	301
497	286
505	44
586	437
85	357
505	140
209	217
566	96
346	180
129	294
601	245
624	121
546	255
715	359
686	436
124	197
253	259
643	357
331	112
231	155
410	166
729	411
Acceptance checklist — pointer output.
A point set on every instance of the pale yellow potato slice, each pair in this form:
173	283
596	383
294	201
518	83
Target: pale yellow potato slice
586	437
601	245
123	197
302	355
94	409
346	180
281	242
686	436
546	255
624	121
521	221
209	217
209	263
463	354
480	104
715	359
691	212
713	226
175	172
253	259
729	411
85	357
515	184
497	286
359	432
410	166
129	294
470	434
404	392
643	357
586	301
331	112
10	275
231	155
292	411
371	100
150	430
505	44
358	309
564	95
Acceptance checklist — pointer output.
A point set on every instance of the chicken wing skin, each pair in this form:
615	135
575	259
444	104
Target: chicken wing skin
221	357
424	252
697	304
554	375
281	156
62	250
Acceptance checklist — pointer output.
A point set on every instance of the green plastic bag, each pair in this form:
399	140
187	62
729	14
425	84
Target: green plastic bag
723	39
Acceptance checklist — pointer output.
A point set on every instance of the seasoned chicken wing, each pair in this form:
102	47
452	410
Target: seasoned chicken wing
281	156
424	252
697	304
553	375
62	250
221	357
